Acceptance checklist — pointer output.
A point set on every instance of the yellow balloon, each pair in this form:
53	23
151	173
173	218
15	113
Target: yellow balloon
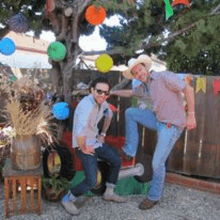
104	63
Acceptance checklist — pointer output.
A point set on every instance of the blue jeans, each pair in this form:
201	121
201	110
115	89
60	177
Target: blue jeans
90	168
167	137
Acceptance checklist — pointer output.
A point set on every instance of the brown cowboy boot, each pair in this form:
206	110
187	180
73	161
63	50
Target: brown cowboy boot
147	204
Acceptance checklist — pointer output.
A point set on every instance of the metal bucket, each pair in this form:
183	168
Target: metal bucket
26	153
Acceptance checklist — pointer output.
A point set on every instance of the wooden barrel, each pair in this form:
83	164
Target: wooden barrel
25	153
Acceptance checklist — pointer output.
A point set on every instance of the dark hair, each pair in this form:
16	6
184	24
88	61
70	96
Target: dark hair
98	80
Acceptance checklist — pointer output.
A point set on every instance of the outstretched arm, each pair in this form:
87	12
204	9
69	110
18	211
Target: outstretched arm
189	94
123	93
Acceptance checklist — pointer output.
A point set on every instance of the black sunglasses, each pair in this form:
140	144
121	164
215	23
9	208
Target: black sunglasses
99	91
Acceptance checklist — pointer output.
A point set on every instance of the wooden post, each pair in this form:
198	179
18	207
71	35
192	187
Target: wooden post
23	194
39	194
32	193
14	195
6	197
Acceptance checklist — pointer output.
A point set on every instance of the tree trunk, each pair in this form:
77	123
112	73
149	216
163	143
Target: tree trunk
66	26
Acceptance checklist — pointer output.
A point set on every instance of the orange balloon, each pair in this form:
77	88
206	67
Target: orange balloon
180	2
95	15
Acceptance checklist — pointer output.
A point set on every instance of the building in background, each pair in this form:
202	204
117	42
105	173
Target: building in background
30	53
88	62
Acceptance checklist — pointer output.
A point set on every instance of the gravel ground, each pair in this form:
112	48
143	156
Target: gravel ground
177	203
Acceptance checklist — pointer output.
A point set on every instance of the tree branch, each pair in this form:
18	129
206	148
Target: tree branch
82	6
4	31
215	11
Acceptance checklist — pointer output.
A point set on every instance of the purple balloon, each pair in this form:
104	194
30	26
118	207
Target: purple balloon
18	23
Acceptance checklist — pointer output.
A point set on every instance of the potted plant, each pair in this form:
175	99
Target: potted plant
54	188
30	120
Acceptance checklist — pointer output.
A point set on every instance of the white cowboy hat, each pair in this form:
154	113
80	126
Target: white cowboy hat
133	62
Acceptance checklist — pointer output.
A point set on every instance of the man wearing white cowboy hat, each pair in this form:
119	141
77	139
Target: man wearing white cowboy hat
161	110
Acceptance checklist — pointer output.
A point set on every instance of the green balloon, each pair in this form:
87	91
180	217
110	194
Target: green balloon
56	51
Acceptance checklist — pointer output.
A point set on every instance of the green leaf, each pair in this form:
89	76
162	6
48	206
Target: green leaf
201	26
180	45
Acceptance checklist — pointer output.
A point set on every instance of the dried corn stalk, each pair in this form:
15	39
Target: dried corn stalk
25	110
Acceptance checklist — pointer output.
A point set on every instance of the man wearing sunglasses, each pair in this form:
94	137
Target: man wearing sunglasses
90	145
161	110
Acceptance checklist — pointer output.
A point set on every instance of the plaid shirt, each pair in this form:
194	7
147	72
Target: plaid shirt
164	95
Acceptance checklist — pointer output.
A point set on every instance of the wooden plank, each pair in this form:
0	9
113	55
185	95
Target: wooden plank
144	155
212	125
32	193
39	194
175	160
199	184
14	186
23	194
6	196
150	141
140	144
124	103
207	162
217	159
194	141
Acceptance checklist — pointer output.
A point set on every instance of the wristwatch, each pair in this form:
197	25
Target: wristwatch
103	134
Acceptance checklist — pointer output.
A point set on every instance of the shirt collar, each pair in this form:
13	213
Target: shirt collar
153	75
91	97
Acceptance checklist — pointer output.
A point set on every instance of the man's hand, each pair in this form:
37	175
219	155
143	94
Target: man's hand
101	139
88	150
191	122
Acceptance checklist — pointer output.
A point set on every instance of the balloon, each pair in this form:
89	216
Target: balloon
18	23
95	15
104	63
61	110
56	51
7	46
180	2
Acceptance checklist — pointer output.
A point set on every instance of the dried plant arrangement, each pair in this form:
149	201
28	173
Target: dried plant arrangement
25	110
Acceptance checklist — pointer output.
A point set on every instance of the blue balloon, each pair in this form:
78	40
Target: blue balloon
7	46
61	110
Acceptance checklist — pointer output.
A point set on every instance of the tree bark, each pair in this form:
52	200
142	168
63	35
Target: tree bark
4	31
67	31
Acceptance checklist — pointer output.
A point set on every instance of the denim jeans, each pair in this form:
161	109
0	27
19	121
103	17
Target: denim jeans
90	168
167	137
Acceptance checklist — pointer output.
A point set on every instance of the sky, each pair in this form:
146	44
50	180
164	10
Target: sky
87	43
93	42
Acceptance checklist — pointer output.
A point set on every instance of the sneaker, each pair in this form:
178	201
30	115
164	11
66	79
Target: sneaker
124	155
70	207
147	204
114	198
